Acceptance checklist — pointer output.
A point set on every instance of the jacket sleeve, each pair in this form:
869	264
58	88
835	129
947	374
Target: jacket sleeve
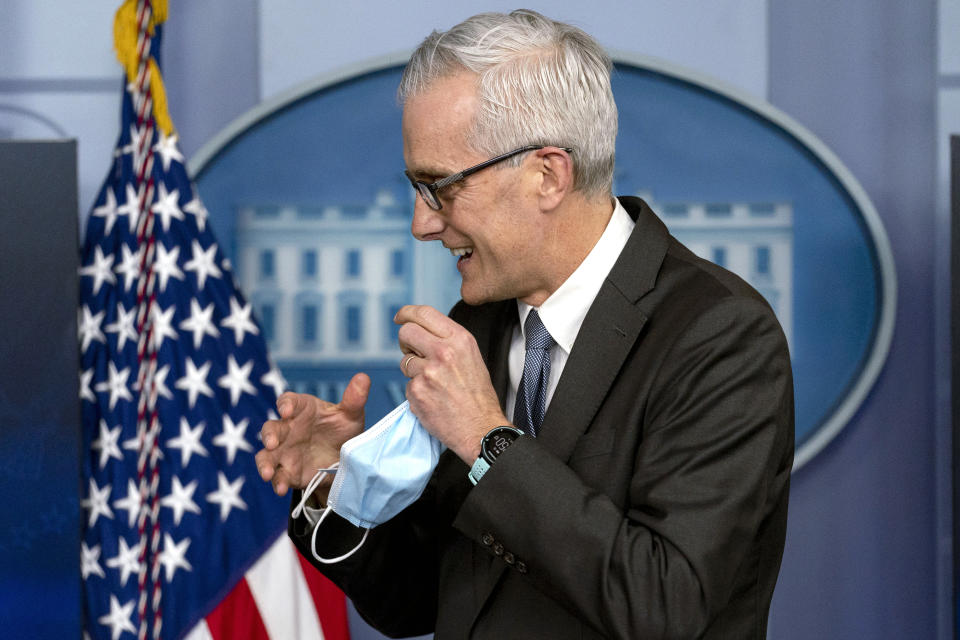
392	579
711	466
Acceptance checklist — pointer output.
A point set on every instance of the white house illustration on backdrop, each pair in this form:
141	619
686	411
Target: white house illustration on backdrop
752	239
326	280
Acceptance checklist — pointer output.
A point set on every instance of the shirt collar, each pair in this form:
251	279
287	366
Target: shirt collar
563	312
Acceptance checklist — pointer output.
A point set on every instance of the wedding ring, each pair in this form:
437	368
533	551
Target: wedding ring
406	361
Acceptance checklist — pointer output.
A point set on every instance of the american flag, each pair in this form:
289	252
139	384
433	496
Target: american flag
180	537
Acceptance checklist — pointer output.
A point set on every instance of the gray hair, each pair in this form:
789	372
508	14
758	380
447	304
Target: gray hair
538	81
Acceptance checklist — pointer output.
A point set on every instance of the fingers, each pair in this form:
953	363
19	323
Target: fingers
265	465
427	317
355	395
272	470
405	363
280	482
416	340
308	434
291	405
424	335
273	433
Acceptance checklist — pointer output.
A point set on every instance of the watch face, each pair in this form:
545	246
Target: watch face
497	441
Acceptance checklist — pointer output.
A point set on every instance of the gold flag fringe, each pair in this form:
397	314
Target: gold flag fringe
125	36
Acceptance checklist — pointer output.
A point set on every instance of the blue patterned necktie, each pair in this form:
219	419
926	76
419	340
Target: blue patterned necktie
532	392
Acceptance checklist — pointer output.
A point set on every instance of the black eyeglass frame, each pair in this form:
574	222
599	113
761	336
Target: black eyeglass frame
428	191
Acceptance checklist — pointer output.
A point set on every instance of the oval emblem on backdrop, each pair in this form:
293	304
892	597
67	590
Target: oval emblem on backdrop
308	197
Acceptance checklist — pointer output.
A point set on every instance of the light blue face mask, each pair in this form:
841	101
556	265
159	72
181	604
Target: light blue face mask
381	472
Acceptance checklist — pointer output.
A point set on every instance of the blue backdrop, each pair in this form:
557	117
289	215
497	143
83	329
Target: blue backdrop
678	142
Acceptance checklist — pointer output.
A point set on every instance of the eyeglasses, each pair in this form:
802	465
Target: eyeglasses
429	191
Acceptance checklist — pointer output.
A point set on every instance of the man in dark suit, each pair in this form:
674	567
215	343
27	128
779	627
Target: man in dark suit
646	495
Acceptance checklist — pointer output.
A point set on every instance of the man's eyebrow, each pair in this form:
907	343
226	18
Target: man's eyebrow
429	173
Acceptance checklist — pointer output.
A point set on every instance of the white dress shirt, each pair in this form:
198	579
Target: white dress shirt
563	312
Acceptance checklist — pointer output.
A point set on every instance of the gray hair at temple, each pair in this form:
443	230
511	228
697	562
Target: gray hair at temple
539	82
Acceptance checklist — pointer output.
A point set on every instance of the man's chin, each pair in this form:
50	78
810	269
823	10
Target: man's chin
474	297
472	300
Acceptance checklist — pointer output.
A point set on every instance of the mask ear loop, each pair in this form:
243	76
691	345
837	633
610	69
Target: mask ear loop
307	492
312	486
313	542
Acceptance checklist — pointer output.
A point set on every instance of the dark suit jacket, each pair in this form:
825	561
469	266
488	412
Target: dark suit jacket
653	504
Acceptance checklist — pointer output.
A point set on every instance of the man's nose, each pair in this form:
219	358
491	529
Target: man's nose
427	224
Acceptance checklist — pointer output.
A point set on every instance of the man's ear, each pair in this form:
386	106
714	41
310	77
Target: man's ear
555	167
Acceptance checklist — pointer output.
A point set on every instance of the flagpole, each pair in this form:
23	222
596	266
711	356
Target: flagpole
147	416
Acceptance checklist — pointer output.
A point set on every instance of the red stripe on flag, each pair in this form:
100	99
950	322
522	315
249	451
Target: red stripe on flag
330	602
237	616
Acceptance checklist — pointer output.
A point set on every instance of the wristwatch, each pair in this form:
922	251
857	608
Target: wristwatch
493	444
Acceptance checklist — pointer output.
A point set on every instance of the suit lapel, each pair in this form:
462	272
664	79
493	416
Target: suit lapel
609	331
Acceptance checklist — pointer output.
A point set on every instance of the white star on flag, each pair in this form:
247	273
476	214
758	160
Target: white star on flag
90	561
119	618
108	211
86	393
200	322
131	207
180	499
160	383
101	270
132	444
123	326
232	438
116	385
239	320
129	266
166	206
162	325
147	437
237	380
167	148
188	441
126	561
194	381
165	265
137	134
107	443
89	327
203	263
96	501
227	495
174	555
199	212
275	379
131	504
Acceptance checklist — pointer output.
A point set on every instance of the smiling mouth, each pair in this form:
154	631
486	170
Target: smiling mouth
462	252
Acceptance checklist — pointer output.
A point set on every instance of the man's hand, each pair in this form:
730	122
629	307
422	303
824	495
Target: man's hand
449	389
309	434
